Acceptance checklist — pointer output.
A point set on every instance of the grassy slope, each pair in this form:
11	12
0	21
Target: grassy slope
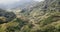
39	21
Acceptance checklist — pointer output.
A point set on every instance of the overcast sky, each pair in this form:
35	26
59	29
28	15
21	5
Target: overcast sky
39	0
12	1
8	1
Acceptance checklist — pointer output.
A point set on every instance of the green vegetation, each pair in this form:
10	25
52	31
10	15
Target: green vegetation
44	17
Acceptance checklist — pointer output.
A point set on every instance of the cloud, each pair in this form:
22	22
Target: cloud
8	1
39	0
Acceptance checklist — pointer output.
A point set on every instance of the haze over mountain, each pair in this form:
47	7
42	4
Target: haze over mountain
16	3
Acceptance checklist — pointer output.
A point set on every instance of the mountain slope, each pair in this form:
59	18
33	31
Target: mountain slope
47	16
6	16
44	17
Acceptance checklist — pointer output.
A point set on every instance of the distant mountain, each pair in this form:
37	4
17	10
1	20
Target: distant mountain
19	4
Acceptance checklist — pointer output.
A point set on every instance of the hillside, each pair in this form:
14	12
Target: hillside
43	17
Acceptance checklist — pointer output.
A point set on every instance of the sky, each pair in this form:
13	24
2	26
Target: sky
39	0
12	1
8	1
